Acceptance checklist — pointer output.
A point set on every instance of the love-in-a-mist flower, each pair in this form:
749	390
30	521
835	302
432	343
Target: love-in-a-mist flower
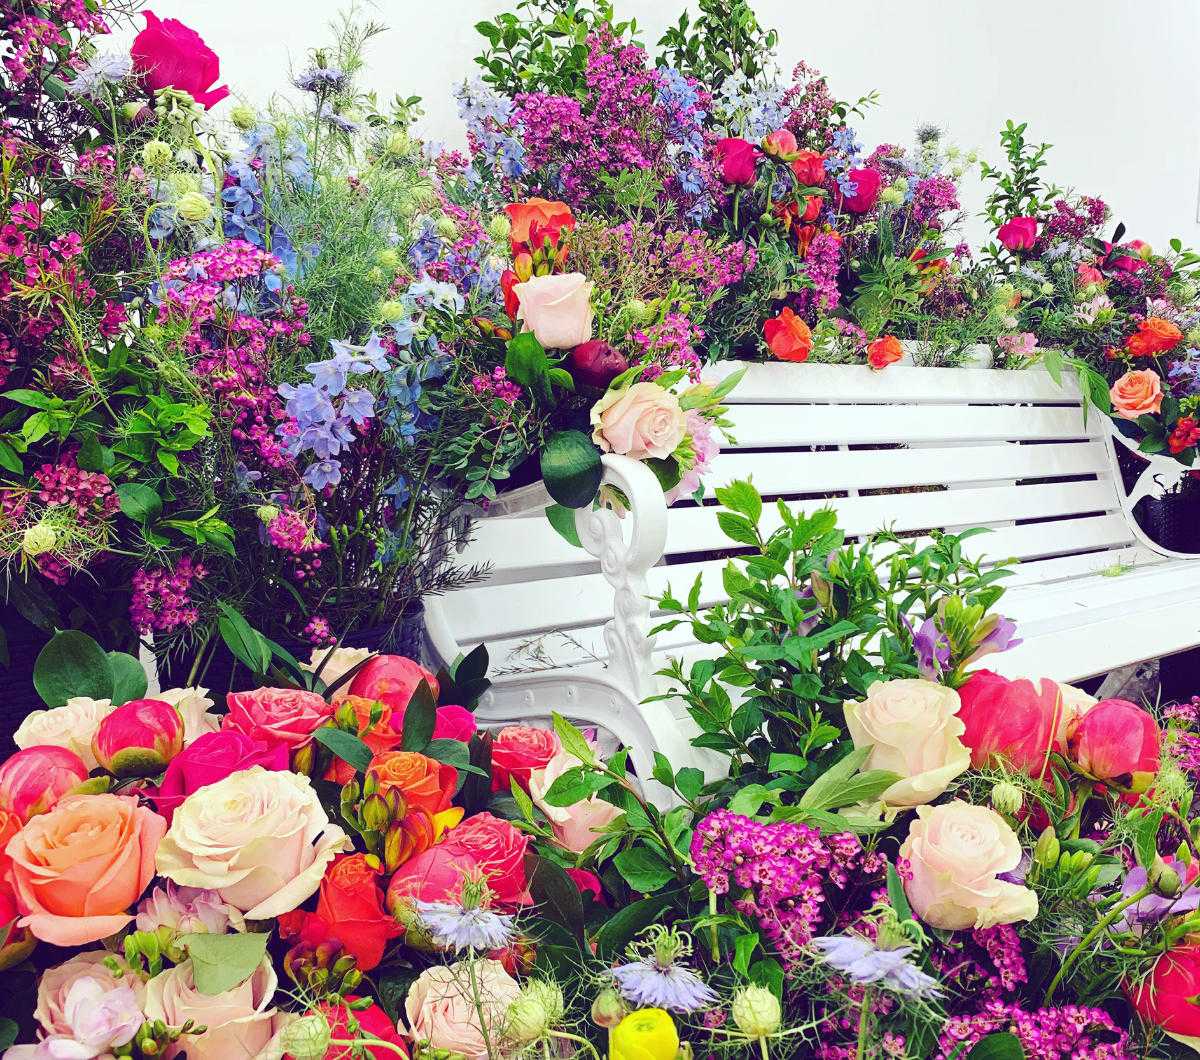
469	923
657	978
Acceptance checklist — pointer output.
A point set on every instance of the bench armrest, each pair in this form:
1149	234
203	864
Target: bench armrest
624	564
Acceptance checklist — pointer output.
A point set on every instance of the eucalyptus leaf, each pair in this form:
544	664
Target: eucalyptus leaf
220	962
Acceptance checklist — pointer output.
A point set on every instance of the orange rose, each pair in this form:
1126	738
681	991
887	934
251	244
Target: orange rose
1153	335
425	784
535	220
78	868
883	351
1137	394
788	337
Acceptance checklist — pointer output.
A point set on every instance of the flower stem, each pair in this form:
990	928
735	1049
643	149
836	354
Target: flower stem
1091	937
580	1040
762	1048
374	1043
475	996
864	1022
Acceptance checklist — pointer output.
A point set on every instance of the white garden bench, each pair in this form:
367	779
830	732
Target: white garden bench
1008	450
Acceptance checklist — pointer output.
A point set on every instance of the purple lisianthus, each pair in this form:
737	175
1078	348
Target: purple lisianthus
932	647
1154	907
861	960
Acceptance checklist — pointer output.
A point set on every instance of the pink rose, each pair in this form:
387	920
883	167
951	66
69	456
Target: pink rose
55	986
576	826
1088	274
956	853
213	757
643	420
434	875
737	158
557	309
287	716
241	1021
517	750
442	1010
1018	233
1137	394
169	54
34	779
499	850
867	184
454	723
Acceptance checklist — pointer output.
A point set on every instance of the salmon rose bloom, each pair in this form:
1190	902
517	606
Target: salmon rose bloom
536	220
884	351
425	784
77	869
1137	394
788	337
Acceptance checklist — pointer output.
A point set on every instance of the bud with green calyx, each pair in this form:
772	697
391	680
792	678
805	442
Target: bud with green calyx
194	207
1007	798
1046	850
608	1009
499	227
536	1011
1163	878
156	154
307	1037
757	1012
39	539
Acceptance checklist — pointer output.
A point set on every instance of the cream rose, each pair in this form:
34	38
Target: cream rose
72	726
1076	703
557	309
955	852
260	838
194	706
241	1022
575	826
640	421
911	729
341	662
441	1009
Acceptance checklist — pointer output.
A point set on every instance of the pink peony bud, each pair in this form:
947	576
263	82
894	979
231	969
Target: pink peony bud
34	779
596	363
139	738
1115	740
781	143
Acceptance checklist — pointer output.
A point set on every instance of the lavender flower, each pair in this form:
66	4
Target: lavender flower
1154	907
321	79
1000	637
932	648
103	70
861	960
655	979
453	925
184	910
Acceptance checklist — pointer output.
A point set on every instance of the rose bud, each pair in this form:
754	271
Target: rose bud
596	363
139	738
780	144
1115	739
34	779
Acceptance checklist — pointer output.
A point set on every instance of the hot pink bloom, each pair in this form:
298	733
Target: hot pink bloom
737	158
1115	739
171	55
1018	233
139	738
34	779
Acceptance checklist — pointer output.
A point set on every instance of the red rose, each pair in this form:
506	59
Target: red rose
517	750
738	159
809	167
1115	739
277	715
34	779
780	142
867	184
883	351
812	208
1018	233
392	679
169	54
1165	997
596	363
1012	720
509	280
498	849
588	883
351	904
210	758
434	875
788	337
373	1022
454	723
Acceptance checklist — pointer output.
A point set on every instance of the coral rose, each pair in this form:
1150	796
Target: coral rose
17	943
1115	740
35	778
788	337
536	220
56	983
213	757
1137	394
425	783
576	826
883	351
1018	233
643	420
287	716
955	852
78	868
241	1021
442	1009
260	839
372	1021
780	142
518	749
556	308
737	159
809	167
380	735
169	54
392	679
1012	721
912	730
1154	335
71	726
498	849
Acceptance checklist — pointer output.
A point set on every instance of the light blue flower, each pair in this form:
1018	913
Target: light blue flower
322	473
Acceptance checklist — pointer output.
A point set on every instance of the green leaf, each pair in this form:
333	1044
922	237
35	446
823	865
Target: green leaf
1145	837
563	520
556	894
897	899
129	679
690	782
618	930
643	868
138	501
420	717
999	1046
827	788
72	664
9	1029
571	468
786	763
247	645
741	497
743	950
737	528
348	747
9	460
572	740
220	962
748	801
453	753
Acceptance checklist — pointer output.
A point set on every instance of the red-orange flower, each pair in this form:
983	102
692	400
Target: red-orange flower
536	220
1154	335
788	337
883	351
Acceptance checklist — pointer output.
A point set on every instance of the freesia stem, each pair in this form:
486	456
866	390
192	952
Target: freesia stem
1091	937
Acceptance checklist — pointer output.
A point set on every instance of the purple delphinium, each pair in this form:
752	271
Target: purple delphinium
863	962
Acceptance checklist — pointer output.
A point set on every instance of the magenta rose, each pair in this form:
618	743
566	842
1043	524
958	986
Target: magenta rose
867	184
737	158
1018	233
454	723
277	715
210	758
169	54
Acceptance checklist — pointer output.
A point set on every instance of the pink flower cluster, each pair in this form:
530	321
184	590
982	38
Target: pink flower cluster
1072	1032
822	264
667	345
161	599
291	532
783	870
497	385
90	493
712	268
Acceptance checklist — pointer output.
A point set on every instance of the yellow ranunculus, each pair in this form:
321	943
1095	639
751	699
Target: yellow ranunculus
647	1034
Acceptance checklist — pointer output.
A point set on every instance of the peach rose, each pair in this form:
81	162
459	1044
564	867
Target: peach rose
1136	394
557	309
912	730
78	868
956	851
640	421
575	826
56	983
194	707
241	1022
260	838
425	784
441	1009
72	726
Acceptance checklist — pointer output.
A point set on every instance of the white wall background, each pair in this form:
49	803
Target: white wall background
1113	84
